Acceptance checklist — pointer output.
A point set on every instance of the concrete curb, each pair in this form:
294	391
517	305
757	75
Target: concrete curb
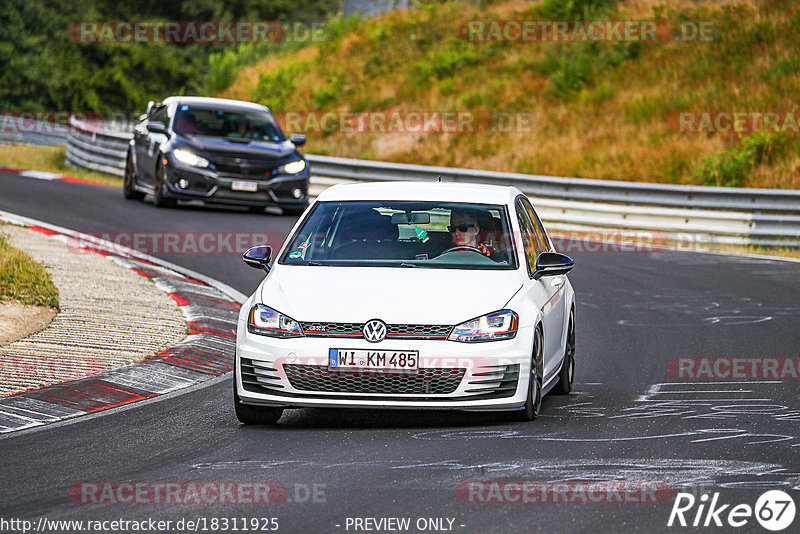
210	307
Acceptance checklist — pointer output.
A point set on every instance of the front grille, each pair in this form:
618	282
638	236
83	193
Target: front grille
393	331
228	194
425	381
244	167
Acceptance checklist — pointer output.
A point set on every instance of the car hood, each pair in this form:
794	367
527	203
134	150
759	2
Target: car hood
220	145
394	295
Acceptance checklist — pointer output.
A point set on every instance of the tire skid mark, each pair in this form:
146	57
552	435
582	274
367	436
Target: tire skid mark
207	352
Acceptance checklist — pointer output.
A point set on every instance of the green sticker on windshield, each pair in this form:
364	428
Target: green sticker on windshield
296	254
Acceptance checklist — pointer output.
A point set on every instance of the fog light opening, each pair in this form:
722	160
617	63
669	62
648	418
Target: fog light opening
297	192
183	183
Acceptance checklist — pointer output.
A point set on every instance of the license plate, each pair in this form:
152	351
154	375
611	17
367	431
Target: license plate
358	359
244	186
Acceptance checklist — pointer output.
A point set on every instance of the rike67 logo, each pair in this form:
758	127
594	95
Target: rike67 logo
774	510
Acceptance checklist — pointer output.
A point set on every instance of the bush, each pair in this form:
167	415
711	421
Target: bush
576	9
274	88
446	62
730	168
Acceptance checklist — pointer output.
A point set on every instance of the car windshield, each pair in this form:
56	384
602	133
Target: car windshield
442	235
228	123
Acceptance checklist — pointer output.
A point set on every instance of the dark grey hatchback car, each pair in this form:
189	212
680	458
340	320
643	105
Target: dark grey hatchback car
217	151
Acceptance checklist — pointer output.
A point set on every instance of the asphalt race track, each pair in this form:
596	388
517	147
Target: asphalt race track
632	418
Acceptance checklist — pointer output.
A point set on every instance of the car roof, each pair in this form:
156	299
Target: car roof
422	190
208	101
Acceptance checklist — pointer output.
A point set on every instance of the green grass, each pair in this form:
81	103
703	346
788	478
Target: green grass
50	159
24	280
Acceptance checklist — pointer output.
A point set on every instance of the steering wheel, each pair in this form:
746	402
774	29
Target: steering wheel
462	248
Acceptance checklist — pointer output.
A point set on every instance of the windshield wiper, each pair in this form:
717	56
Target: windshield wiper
407	265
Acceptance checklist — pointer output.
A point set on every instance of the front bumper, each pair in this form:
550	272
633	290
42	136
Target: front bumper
209	186
293	373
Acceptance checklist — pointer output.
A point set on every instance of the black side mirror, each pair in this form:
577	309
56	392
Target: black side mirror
156	127
258	257
297	139
552	264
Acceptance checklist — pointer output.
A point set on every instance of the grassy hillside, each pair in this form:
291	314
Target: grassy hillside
597	109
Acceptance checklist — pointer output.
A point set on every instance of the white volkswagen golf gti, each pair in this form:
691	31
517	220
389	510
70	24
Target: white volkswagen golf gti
408	295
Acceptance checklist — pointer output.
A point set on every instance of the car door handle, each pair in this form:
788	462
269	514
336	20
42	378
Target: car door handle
557	281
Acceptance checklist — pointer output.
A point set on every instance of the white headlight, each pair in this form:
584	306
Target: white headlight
293	167
268	322
187	157
492	327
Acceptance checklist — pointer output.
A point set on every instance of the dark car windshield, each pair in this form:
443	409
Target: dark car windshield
228	123
404	234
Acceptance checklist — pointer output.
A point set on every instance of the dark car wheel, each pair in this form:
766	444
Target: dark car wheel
253	415
159	200
567	373
128	181
533	404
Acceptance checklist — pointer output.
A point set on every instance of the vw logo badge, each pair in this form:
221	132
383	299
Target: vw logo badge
374	330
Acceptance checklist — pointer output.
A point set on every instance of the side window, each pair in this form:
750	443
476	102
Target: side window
528	238
537	226
159	115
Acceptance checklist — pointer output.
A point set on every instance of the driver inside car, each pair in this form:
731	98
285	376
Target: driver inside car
465	231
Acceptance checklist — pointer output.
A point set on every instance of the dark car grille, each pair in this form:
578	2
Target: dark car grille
425	381
244	167
393	331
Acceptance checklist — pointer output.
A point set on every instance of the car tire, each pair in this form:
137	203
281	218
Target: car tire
567	373
533	403
159	200
253	415
128	181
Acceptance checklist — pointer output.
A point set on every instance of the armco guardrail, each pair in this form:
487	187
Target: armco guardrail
681	213
691	196
99	151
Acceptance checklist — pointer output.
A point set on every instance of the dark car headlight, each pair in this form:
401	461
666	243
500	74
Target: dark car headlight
187	157
293	167
268	322
494	326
